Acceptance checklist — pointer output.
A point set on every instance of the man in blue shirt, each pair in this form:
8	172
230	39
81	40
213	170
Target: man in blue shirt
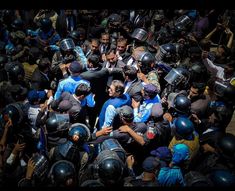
142	111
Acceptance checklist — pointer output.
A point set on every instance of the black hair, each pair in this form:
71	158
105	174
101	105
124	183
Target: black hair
94	59
43	64
131	72
200	86
82	89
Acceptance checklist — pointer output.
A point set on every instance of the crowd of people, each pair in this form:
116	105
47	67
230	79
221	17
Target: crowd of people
117	98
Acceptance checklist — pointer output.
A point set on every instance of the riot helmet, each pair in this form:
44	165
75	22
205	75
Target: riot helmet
198	72
15	71
182	104
145	60
140	34
57	123
166	52
45	24
15	112
67	44
114	21
222	178
79	133
183	23
62	173
41	166
17	24
183	127
75	35
3	61
114	145
224	90
109	167
226	146
196	179
177	76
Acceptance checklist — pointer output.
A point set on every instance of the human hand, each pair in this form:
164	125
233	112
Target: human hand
130	161
204	54
18	147
106	130
30	169
135	104
8	124
124	129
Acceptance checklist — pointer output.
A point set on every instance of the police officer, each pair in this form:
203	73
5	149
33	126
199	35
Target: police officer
75	149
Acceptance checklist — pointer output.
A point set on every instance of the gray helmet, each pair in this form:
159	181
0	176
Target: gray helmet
140	34
67	44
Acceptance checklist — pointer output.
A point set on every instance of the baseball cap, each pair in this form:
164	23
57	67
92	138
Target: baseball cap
35	95
180	153
163	153
151	164
126	112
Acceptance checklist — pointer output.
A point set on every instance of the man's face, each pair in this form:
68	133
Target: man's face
105	39
121	47
111	58
94	46
112	91
193	92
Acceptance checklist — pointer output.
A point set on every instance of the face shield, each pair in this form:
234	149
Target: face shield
174	77
114	145
140	34
183	22
67	44
41	166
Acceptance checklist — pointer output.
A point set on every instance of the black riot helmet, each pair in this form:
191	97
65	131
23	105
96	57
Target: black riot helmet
78	133
196	179
183	127
3	61
17	24
45	24
41	166
182	104
140	34
114	145
145	60
63	174
198	72
109	167
183	23
75	35
178	76
15	71
67	44
166	52
226	146
57	123
15	112
222	178
225	90
114	21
